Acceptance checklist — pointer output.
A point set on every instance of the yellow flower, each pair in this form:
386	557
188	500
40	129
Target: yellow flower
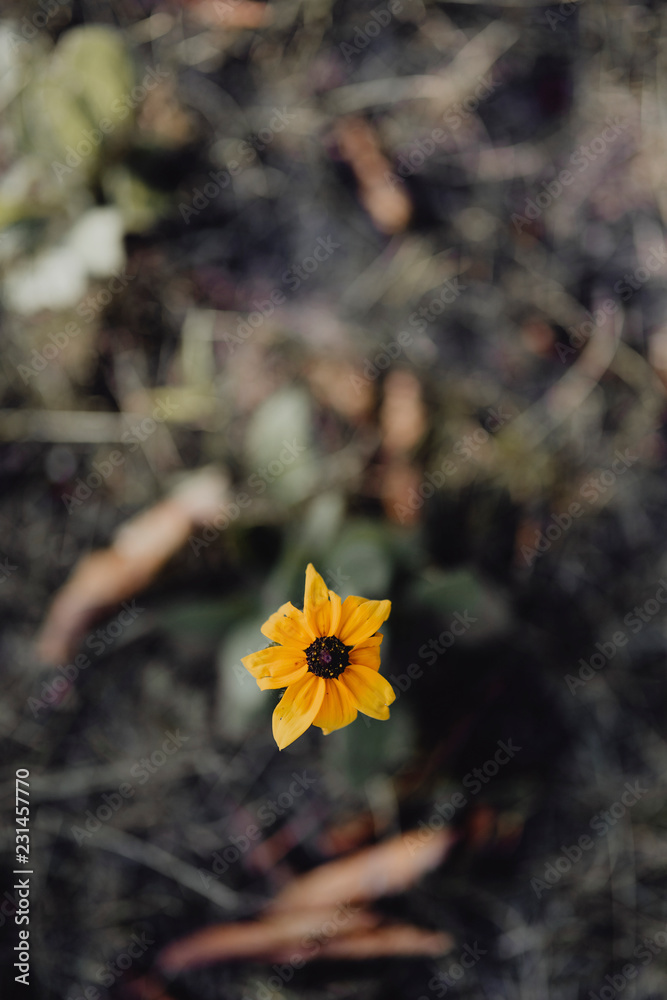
328	658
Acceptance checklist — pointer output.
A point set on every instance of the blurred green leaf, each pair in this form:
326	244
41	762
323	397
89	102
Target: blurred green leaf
321	522
279	447
369	747
140	204
462	591
79	102
239	697
361	561
208	619
445	592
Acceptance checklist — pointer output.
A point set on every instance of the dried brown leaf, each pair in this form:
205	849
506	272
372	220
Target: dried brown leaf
381	194
102	579
403	416
400	481
386	868
320	914
341	386
145	988
349	835
239	14
387	941
267	940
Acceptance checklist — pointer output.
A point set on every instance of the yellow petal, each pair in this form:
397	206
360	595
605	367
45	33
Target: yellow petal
289	627
272	659
320	605
316	601
366	657
336	606
373	642
338	708
297	708
283	678
371	691
361	619
367	652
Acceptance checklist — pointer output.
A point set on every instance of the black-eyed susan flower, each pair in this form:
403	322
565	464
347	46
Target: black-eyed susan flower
328	658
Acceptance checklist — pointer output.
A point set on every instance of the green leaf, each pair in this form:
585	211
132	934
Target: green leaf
280	454
360	562
446	592
208	619
240	700
80	101
370	747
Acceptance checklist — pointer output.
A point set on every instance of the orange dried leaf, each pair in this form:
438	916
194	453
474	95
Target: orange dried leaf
341	386
145	988
324	909
386	868
142	546
403	416
400	481
380	192
349	835
381	942
265	940
236	14
538	336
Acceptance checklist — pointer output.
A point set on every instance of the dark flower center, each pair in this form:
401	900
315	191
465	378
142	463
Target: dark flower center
327	657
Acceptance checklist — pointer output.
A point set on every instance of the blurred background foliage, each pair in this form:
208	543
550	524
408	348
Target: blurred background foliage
231	241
